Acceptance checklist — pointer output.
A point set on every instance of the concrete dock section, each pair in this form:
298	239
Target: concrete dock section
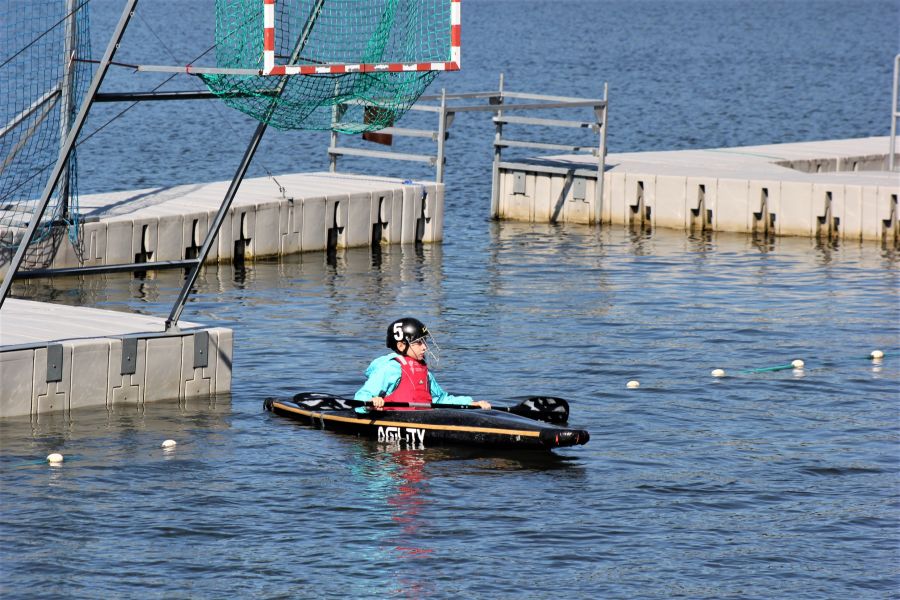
841	189
270	216
57	358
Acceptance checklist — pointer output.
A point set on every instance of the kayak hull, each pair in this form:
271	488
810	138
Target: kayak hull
436	427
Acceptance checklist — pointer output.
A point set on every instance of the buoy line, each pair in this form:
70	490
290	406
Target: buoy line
797	366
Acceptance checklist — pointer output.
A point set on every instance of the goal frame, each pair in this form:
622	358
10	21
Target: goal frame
270	68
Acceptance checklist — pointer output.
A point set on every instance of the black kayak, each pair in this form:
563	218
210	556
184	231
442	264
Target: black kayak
501	428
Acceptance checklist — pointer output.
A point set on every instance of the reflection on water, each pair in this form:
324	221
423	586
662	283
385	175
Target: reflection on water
169	418
400	481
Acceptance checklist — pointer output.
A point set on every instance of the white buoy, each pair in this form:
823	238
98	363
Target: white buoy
55	458
876	354
718	373
169	444
634	383
797	364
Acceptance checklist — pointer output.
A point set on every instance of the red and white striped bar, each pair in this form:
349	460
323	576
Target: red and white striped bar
268	36
455	34
270	68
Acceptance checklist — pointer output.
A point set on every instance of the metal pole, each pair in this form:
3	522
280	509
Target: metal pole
67	146
183	95
495	167
336	114
601	167
68	99
238	178
51	96
894	113
332	157
122	268
216	225
46	109
442	133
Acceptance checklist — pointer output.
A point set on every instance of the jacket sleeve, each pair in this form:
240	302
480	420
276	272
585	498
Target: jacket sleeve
383	379
439	396
384	376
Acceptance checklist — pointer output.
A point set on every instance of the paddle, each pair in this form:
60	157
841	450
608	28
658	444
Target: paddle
540	408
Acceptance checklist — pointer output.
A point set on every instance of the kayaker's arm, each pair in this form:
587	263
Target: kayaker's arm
382	378
439	396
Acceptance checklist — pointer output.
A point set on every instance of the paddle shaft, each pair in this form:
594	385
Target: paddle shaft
520	409
541	408
368	403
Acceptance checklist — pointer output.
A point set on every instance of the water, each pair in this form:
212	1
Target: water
776	484
771	484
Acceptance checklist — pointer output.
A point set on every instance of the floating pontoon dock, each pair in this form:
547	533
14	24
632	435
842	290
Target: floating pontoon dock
838	189
55	357
285	215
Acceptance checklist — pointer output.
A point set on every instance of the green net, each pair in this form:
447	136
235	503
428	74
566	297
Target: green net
42	82
324	32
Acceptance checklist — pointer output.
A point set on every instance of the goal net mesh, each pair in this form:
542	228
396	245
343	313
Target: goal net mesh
329	32
43	79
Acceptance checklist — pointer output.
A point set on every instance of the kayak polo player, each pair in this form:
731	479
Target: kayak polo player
402	377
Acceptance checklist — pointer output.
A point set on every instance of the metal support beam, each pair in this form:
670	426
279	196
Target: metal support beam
532	106
507	143
601	163
98	269
67	147
335	151
498	150
547	122
442	136
145	96
238	178
46	109
51	96
176	95
211	235
68	99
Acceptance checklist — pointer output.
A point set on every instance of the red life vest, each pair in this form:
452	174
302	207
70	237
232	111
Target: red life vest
413	387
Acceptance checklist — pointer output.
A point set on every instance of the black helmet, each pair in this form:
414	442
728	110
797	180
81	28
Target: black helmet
405	330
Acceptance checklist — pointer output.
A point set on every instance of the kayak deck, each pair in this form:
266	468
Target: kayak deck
434	427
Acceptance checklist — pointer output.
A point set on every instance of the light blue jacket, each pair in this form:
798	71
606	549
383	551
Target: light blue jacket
383	377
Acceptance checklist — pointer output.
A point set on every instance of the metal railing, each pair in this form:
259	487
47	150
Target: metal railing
540	102
446	113
499	102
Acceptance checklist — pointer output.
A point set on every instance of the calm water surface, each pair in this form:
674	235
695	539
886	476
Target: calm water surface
768	485
772	484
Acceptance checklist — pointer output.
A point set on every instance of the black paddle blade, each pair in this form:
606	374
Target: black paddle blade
543	408
321	401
